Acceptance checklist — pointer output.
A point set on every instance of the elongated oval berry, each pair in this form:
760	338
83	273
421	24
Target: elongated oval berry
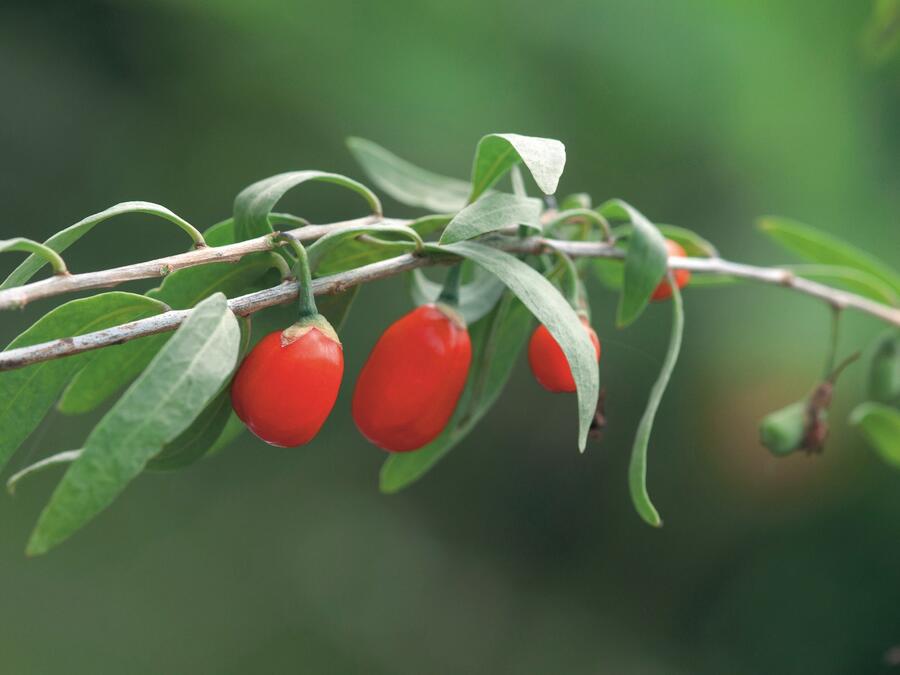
408	388
548	361
287	386
682	277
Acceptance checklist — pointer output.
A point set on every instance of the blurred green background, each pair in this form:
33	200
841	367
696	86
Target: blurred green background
516	555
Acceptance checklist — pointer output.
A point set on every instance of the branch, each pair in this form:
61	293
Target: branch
336	283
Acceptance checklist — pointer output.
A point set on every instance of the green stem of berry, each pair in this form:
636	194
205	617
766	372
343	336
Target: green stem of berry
450	292
307	300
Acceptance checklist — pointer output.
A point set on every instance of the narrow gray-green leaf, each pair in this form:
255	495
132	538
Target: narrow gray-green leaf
27	394
645	261
168	396
545	158
551	309
497	340
60	241
880	425
407	183
255	202
334	241
850	278
637	470
492	212
818	247
476	298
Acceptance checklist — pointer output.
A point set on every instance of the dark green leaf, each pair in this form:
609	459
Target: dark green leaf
254	204
334	244
107	372
428	224
880	425
637	470
476	298
27	394
195	441
497	340
496	154
551	309
64	238
163	402
492	212
645	261
114	367
818	247
407	183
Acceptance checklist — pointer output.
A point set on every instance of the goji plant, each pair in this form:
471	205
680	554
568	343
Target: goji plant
196	372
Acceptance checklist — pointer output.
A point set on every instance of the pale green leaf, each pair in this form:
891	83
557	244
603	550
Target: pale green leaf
544	300
496	154
407	183
492	212
60	241
253	205
637	470
174	389
476	298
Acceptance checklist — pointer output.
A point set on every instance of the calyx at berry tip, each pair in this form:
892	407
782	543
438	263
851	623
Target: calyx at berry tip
451	314
296	331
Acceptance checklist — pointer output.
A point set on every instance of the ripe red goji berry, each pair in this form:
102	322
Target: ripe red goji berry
664	291
548	361
410	385
287	386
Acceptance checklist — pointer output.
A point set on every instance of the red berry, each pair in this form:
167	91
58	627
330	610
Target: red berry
664	291
409	387
288	384
548	361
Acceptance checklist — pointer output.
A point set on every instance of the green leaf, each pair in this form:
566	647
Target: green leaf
881	37
645	261
405	182
105	374
163	402
476	298
497	340
114	367
21	244
551	309
60	241
496	154
252	207
637	470
880	425
492	212
428	224
27	394
851	279
816	246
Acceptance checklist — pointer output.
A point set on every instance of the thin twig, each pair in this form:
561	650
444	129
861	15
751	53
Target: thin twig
285	292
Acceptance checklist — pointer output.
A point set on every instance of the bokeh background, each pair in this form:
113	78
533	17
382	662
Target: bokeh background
515	555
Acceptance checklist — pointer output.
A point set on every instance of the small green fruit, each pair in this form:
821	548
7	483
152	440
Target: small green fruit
783	431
